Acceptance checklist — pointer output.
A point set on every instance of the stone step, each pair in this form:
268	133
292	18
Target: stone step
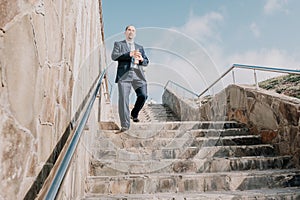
184	151
264	150
291	193
116	143
169	129
141	134
167	133
140	154
175	125
148	143
157	112
227	141
236	164
219	132
137	134
203	182
114	168
158	143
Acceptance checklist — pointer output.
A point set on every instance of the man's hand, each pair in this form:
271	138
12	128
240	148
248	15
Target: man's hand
136	55
131	54
140	58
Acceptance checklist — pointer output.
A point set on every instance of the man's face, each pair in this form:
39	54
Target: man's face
130	33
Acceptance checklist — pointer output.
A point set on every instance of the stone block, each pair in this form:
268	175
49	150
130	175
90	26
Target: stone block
167	185
290	113
237	98
168	153
267	136
21	81
184	166
263	116
120	186
151	185
100	188
16	145
217	183
238	115
137	186
191	185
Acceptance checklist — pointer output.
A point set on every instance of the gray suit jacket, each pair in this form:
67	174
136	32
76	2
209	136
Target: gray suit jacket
121	53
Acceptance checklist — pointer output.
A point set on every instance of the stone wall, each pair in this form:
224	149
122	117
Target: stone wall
50	56
184	109
275	117
188	109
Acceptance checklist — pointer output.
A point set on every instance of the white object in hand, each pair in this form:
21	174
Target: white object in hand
136	61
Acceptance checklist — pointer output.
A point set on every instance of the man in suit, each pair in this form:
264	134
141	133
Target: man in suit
131	58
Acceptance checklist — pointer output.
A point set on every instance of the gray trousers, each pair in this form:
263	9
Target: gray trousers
124	88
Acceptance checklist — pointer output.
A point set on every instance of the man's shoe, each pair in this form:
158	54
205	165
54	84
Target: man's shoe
135	119
123	129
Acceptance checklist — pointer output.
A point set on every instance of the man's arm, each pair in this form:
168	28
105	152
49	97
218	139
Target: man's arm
117	55
145	60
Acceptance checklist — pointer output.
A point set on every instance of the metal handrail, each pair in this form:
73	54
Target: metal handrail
59	175
252	67
270	69
182	87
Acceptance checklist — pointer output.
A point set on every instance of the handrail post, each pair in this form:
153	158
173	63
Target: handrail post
99	105
255	78
233	77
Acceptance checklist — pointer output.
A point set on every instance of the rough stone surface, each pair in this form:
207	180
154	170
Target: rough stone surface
274	116
50	53
183	109
16	148
187	160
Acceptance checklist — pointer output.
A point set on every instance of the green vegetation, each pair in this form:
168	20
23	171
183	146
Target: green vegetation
288	85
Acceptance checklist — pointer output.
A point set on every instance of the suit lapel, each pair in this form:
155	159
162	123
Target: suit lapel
135	46
124	43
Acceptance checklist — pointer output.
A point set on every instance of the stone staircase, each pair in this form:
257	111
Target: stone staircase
157	113
165	159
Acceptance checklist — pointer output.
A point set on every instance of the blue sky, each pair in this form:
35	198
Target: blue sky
256	32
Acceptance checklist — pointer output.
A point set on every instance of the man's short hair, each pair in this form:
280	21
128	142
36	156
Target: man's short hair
128	27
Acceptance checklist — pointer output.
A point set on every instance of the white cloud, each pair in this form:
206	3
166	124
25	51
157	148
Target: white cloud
254	29
272	6
259	57
202	27
266	57
206	30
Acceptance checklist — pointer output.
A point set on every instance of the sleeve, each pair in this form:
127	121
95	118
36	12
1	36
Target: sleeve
146	60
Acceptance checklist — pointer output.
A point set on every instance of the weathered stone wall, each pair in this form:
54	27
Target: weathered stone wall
275	117
50	55
184	109
190	109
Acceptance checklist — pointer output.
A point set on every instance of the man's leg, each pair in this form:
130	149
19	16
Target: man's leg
141	94
124	91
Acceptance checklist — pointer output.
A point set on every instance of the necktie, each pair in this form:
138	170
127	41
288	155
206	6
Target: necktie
132	48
